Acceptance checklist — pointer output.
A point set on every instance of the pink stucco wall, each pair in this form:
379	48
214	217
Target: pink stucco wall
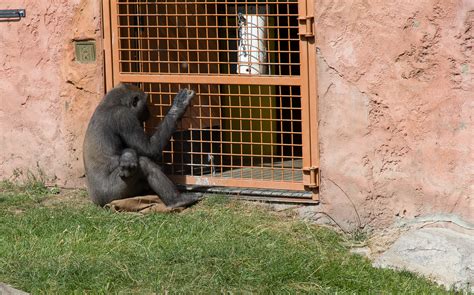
46	97
395	102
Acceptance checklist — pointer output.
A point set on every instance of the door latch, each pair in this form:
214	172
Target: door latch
12	13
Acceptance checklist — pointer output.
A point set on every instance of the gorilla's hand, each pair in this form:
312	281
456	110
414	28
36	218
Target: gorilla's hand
128	163
183	99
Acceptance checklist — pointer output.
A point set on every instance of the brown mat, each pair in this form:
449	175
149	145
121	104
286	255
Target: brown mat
142	204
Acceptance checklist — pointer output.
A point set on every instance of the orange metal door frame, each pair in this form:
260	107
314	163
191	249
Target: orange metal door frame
308	72
307	81
107	45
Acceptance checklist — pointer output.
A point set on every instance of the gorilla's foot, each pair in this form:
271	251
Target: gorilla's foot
187	199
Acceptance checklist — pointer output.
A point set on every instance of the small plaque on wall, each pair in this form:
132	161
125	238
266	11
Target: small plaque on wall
85	51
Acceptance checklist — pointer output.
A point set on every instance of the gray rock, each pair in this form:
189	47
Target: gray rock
9	290
442	255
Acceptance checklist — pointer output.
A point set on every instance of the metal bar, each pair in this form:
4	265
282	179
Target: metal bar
12	13
277	199
213	27
313	108
107	45
208	79
211	51
238	182
305	105
282	195
205	2
115	42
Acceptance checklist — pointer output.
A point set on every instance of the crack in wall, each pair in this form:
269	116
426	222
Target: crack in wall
81	88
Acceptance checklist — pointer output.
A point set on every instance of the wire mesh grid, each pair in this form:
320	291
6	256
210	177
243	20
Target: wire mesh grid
230	132
209	37
245	130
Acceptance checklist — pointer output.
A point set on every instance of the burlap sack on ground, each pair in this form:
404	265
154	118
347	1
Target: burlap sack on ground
142	204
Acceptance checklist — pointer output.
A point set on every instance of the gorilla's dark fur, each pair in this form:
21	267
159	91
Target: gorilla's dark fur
119	156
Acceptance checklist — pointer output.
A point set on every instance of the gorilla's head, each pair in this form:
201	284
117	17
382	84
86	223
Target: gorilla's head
135	99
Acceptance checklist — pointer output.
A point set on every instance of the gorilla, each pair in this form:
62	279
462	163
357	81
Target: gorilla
119	158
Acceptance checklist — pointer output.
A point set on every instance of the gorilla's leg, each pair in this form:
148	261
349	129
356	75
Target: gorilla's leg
128	163
164	187
115	186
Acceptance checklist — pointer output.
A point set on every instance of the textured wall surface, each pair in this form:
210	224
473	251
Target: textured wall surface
46	96
395	92
396	102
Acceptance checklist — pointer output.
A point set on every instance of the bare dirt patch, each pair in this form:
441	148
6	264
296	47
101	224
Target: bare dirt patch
66	197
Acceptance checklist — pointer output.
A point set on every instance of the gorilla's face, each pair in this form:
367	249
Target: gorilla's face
135	99
139	107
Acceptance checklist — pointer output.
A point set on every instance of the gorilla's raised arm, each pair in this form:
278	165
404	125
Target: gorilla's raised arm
130	129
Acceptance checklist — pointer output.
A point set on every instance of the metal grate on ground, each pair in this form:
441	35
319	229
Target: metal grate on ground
255	194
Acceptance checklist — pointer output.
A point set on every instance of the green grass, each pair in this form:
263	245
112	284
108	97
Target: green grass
60	243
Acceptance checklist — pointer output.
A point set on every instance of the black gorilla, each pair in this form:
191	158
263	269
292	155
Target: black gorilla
119	156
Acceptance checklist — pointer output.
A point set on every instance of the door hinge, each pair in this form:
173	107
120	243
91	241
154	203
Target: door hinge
307	26
313	173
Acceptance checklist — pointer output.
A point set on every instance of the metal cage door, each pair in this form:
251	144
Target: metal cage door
253	122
